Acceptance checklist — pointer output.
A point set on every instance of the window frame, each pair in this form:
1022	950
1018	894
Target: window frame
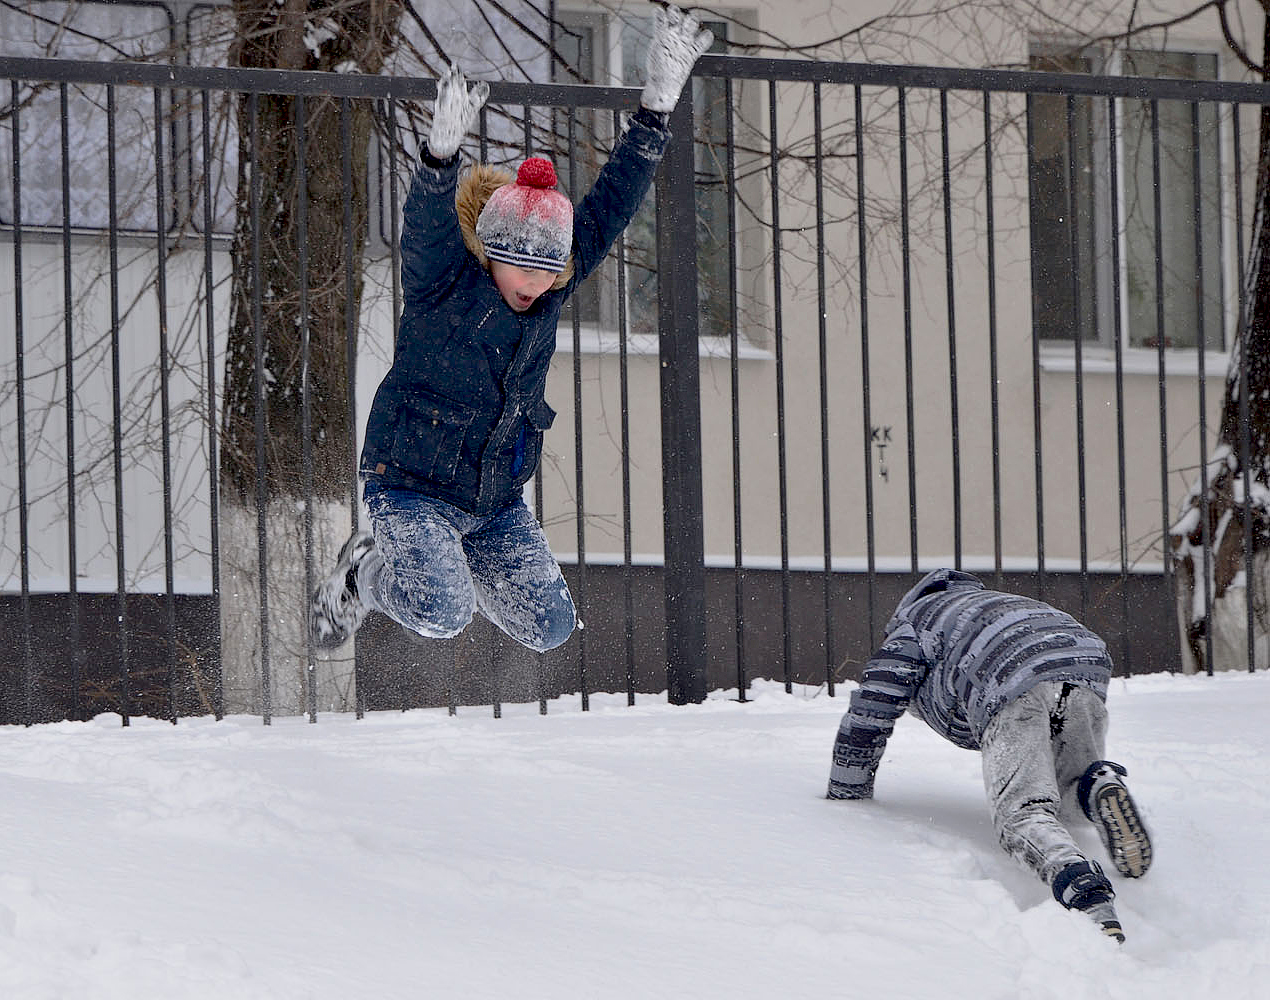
1098	351
602	332
184	208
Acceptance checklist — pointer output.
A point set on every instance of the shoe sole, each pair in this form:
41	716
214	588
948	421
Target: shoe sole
1124	833
327	605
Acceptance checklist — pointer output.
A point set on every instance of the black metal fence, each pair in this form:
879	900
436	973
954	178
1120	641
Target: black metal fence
892	318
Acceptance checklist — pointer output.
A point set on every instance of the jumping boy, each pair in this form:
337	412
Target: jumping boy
1025	684
456	427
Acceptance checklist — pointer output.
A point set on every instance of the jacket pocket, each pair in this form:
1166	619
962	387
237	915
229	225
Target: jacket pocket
541	416
429	437
529	442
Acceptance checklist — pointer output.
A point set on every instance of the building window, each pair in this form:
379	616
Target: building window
580	40
597	49
1070	178
89	31
714	279
181	30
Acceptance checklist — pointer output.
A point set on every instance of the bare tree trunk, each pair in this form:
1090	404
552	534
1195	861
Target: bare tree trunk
1234	511
272	467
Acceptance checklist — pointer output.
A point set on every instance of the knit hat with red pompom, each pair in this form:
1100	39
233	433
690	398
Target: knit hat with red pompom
528	223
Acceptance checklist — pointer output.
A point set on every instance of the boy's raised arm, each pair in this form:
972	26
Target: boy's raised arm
431	242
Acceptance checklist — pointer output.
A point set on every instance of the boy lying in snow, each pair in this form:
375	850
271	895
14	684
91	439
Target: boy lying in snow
1025	684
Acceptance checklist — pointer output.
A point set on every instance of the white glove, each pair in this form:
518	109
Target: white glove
676	44
454	113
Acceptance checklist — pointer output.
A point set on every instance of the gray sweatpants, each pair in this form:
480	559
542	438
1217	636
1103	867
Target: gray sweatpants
1034	753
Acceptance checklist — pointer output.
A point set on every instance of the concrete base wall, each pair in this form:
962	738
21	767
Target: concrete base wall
620	648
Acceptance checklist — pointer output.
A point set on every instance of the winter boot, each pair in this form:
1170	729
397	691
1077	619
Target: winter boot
1107	803
1082	886
336	611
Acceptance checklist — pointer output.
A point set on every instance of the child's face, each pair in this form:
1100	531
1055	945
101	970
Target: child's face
520	286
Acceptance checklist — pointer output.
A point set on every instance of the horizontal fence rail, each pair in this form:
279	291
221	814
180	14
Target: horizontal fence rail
879	319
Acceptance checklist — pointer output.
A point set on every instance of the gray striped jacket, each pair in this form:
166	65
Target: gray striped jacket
954	654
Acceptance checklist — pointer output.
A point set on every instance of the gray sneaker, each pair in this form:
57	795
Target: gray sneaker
335	610
1083	886
1106	800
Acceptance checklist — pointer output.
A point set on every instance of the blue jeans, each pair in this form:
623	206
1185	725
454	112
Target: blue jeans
438	564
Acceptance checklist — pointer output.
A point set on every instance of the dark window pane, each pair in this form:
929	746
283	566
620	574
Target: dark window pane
1178	303
1060	171
576	45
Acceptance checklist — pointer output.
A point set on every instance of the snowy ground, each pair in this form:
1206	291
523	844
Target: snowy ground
624	852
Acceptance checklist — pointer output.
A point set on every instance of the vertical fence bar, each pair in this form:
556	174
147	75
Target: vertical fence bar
394	212
1038	467
866	409
527	137
350	351
827	533
68	331
680	393
1245	430
1158	215
394	217
734	376
306	408
496	687
906	258
628	595
623	337
213	493
27	653
69	346
994	394
1126	647
116	389
778	333
496	693
1202	388
496	705
350	312
579	477
258	367
394	228
165	398
1078	345
950	293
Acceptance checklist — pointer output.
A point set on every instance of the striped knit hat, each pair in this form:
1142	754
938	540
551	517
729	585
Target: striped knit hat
528	223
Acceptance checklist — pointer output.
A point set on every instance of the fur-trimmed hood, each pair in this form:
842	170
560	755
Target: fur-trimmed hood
475	186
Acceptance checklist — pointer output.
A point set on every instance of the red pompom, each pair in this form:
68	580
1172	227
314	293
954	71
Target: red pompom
536	172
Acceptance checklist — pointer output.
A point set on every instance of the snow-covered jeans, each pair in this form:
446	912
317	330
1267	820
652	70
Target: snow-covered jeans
434	565
1034	752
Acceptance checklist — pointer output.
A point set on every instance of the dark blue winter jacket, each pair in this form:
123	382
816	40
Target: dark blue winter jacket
460	415
954	654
